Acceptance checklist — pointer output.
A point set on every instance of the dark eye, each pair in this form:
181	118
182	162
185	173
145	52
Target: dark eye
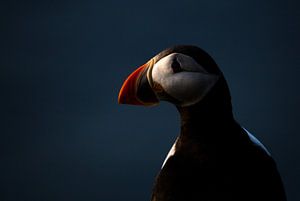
176	66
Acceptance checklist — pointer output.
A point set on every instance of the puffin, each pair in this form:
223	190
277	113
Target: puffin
213	158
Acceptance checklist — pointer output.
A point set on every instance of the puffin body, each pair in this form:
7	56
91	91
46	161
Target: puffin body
213	158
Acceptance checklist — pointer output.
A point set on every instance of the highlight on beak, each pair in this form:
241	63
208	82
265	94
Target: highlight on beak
136	89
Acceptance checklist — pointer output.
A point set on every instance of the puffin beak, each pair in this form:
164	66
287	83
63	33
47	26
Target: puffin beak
136	89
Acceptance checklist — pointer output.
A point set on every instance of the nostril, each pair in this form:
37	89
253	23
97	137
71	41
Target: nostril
176	66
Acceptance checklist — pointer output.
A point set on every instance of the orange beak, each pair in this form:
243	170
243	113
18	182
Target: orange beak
136	89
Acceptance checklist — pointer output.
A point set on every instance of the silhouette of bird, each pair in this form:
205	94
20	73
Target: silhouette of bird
213	158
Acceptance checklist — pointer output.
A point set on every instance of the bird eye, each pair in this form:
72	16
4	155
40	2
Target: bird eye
176	66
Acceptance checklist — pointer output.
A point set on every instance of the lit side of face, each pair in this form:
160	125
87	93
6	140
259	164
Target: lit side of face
181	78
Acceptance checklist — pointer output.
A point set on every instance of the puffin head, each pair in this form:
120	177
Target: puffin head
182	75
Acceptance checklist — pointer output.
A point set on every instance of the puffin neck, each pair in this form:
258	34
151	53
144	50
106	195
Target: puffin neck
210	116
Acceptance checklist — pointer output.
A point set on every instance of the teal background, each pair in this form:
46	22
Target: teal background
64	137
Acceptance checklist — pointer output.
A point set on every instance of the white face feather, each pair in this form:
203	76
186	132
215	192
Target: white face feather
189	85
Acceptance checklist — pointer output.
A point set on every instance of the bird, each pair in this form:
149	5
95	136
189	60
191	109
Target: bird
214	158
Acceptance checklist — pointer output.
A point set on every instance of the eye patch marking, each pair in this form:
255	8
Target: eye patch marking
176	66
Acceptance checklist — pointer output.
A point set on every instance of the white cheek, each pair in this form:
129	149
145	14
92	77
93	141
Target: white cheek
188	87
161	70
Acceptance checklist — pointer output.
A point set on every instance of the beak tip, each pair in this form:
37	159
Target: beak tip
127	94
121	98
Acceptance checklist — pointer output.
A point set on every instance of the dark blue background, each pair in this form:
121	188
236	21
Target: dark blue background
64	137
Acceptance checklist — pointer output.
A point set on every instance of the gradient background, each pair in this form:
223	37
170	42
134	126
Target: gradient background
64	137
